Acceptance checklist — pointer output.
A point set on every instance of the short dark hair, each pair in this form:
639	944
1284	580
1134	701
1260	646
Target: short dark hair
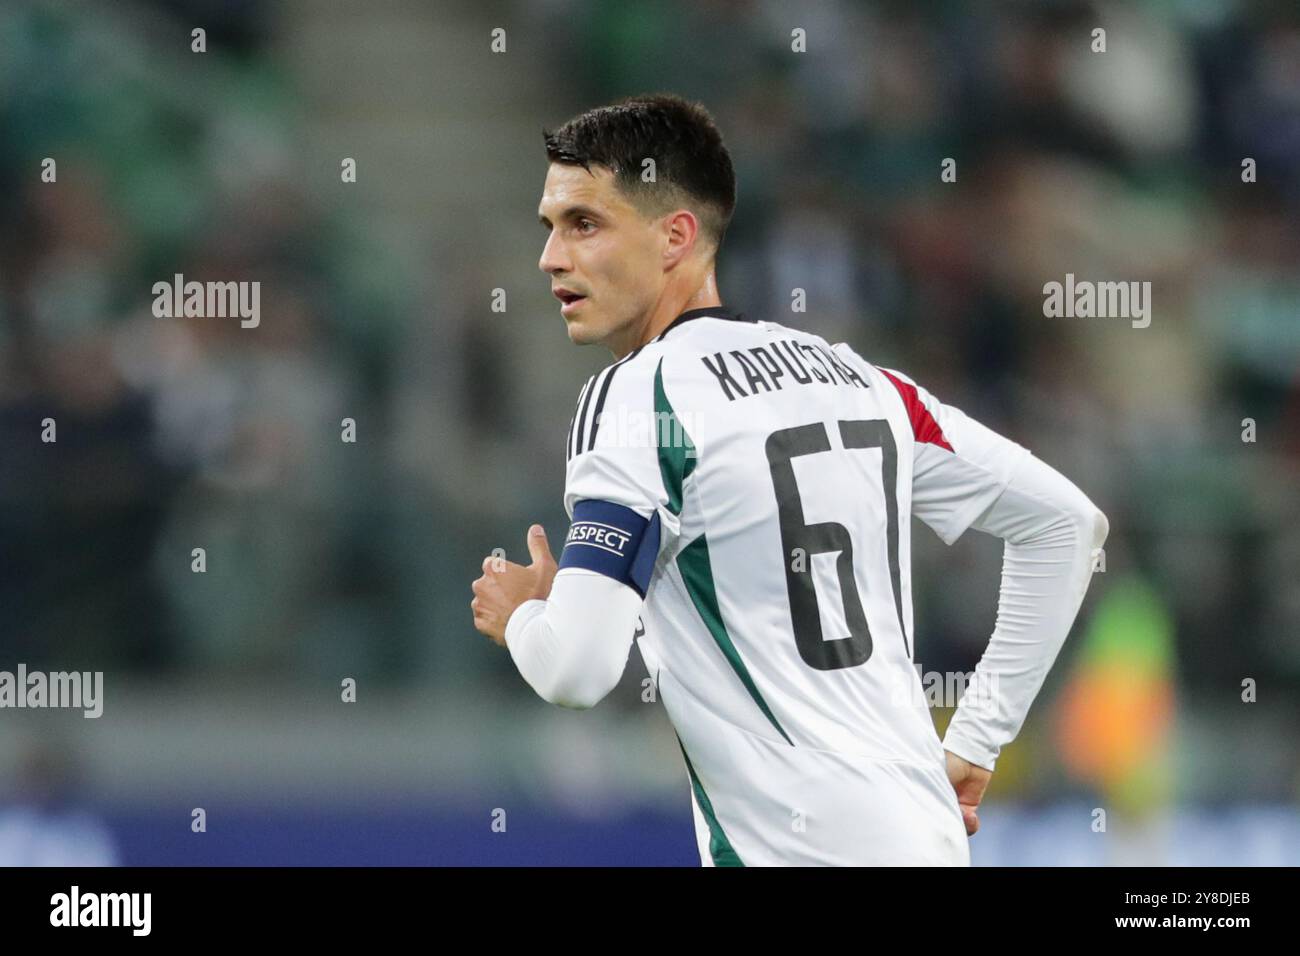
692	166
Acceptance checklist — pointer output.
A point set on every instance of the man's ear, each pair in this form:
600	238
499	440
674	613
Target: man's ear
683	231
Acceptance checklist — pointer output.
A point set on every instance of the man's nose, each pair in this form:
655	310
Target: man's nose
553	259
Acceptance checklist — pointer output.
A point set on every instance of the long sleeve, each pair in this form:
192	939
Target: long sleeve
1051	530
573	647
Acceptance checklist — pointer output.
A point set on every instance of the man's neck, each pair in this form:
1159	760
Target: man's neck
669	307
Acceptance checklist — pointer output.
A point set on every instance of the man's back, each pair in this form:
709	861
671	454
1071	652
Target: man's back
778	621
744	489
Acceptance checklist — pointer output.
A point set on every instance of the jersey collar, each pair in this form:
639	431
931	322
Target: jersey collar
712	311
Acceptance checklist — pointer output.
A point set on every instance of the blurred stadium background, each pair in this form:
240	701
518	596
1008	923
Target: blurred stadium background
329	560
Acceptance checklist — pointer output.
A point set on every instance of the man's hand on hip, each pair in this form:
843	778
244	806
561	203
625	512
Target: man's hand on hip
969	781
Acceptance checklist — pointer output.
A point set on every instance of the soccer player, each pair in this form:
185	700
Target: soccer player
744	490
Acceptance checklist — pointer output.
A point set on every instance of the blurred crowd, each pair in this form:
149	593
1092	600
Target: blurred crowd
325	557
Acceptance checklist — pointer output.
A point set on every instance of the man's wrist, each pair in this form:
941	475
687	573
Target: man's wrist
967	750
520	617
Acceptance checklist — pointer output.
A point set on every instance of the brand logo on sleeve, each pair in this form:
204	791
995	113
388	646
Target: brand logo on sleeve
597	534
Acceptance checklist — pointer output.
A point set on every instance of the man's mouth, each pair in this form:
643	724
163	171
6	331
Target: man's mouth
569	300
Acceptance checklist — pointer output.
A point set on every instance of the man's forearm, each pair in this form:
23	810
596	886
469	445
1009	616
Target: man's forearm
1051	530
572	648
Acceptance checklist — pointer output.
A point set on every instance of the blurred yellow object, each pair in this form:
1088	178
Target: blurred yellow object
1116	712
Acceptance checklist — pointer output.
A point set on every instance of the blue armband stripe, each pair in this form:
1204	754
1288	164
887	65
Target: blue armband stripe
612	540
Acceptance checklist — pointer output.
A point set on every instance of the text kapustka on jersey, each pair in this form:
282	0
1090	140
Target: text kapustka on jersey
766	366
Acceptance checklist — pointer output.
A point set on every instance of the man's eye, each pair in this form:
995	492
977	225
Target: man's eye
584	223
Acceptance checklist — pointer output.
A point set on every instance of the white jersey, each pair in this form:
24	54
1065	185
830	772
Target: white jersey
775	475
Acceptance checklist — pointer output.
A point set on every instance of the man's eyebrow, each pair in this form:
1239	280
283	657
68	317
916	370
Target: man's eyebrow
571	212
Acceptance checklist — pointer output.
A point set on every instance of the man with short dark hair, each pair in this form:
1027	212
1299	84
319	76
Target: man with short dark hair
743	488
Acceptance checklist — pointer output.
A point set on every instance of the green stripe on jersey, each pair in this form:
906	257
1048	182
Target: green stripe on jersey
720	848
697	575
677	459
676	450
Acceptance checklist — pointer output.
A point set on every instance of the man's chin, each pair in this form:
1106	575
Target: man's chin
580	333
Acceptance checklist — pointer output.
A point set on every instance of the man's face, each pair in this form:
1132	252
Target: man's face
601	249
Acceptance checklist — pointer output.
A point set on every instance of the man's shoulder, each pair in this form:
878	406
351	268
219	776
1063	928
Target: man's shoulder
626	383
